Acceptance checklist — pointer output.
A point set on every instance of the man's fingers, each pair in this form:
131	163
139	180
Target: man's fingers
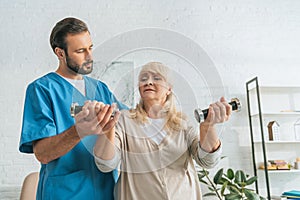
117	116
112	122
98	107
101	115
96	118
107	115
82	115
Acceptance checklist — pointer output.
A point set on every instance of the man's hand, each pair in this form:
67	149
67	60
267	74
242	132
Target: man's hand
95	118
108	118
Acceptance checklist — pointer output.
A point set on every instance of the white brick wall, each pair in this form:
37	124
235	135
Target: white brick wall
243	38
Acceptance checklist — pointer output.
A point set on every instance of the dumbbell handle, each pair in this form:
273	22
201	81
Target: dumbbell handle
75	109
201	115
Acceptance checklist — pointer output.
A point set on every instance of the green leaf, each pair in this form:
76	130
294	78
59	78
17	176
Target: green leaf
201	176
251	180
224	187
218	176
242	175
222	181
222	157
234	189
211	188
209	194
204	171
251	195
230	174
233	197
240	178
203	181
233	185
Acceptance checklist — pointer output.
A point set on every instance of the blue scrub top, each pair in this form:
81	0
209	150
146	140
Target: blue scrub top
47	113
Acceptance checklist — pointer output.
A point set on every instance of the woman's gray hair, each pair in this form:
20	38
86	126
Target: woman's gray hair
175	120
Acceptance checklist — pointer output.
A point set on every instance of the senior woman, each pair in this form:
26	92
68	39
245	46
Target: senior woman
154	144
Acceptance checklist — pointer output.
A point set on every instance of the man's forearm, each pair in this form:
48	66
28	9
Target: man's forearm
51	148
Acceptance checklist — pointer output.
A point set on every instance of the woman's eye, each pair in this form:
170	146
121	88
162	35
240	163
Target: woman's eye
157	78
143	79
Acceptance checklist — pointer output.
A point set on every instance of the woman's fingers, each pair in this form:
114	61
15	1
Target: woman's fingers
219	111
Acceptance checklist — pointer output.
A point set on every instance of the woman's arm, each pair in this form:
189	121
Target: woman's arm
104	147
219	112
207	149
105	154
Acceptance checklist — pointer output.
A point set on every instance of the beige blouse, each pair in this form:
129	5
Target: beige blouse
157	171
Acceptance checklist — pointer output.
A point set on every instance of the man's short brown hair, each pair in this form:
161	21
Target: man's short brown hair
64	27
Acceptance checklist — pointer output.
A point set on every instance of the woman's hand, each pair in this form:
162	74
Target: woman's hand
219	112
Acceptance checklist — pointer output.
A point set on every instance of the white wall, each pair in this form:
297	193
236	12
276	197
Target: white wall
243	38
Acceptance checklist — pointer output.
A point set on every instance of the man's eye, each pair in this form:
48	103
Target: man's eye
80	51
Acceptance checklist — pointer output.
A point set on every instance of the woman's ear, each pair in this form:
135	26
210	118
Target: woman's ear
169	92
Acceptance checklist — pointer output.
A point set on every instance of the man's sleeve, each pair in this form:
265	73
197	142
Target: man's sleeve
38	119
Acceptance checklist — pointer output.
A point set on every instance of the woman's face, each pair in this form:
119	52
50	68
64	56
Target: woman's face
153	88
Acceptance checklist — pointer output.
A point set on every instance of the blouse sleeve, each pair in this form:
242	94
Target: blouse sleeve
110	165
202	158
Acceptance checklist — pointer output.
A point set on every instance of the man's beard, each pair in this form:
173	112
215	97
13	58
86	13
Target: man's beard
79	69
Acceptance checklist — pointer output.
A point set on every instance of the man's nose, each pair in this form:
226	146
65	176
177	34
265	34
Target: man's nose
89	55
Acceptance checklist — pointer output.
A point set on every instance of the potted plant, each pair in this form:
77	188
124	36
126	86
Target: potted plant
230	185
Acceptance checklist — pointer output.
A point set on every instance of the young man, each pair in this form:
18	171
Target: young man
61	143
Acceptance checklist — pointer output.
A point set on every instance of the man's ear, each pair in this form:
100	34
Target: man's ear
60	53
